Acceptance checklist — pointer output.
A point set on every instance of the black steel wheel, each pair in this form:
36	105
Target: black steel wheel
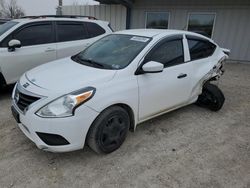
211	97
109	130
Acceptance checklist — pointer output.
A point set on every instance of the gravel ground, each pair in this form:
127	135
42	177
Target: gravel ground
190	147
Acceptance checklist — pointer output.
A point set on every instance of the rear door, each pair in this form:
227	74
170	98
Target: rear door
171	88
38	47
201	57
74	36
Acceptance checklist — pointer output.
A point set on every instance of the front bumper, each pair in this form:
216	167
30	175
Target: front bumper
74	129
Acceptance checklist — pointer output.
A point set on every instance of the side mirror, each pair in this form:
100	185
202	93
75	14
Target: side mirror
13	44
152	67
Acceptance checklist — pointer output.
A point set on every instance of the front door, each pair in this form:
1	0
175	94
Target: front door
171	88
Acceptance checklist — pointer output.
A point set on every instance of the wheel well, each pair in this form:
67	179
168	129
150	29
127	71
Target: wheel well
131	115
130	112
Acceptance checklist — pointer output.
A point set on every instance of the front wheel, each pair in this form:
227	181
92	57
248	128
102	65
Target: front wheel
211	97
2	82
109	130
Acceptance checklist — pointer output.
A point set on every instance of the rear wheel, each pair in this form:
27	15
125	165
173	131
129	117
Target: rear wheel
211	97
109	130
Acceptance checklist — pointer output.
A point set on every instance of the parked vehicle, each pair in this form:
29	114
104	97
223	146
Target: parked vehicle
123	79
2	21
31	41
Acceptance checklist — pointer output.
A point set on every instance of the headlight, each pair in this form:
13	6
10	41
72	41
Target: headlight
65	106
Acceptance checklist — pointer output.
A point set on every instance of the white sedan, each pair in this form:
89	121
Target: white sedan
123	79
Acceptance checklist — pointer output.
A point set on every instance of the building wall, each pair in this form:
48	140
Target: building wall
115	14
232	24
231	29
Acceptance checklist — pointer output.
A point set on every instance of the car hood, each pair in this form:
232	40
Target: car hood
67	75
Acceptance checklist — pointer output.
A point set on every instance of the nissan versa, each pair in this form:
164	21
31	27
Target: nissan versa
123	79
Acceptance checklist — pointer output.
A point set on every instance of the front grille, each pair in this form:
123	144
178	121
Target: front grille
23	101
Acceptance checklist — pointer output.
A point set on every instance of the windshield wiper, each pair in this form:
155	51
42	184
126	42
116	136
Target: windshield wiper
89	61
93	62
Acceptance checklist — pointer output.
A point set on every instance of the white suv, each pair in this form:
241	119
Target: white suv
32	41
2	21
118	82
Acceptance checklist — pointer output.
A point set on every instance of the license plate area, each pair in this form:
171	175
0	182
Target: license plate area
15	114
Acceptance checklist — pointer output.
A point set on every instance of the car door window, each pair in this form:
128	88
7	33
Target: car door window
35	34
200	49
94	30
71	31
169	53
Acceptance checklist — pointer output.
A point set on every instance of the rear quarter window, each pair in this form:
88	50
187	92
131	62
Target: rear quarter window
200	48
94	29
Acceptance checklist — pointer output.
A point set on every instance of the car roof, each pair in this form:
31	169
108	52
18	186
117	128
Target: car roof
156	32
30	20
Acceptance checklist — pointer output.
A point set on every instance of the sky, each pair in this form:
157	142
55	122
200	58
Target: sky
39	7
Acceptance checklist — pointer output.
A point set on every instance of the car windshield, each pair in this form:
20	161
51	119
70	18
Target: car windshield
5	27
114	51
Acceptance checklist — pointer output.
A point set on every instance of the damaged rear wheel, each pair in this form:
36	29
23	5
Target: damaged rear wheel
211	97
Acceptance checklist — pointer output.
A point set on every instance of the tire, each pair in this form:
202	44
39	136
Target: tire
2	83
211	97
1	87
109	130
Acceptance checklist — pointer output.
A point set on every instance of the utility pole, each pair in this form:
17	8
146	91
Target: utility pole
59	8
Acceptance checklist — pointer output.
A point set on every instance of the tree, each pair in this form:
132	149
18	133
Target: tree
1	9
11	9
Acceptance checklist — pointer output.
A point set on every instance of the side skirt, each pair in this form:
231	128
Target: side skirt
168	110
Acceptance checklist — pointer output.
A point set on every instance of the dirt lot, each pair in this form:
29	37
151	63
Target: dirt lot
191	147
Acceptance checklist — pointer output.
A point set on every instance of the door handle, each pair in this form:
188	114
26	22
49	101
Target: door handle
50	50
182	76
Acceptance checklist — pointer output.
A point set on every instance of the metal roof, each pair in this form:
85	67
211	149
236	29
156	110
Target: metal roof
127	3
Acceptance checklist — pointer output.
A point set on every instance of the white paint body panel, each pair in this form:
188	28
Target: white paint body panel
65	49
14	64
158	92
148	95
